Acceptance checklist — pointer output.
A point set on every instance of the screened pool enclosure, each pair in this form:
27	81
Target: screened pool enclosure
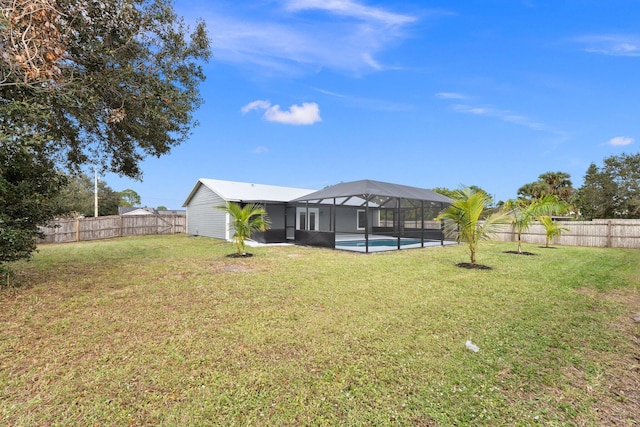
367	216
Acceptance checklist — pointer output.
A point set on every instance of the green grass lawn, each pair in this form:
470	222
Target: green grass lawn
169	331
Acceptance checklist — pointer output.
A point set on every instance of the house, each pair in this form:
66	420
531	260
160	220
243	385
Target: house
125	210
203	219
362	215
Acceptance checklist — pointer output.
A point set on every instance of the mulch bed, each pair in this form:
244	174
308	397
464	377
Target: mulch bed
237	255
470	266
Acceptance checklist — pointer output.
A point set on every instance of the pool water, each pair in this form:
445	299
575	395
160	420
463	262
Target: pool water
379	242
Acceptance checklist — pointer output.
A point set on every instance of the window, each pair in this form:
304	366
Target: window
312	221
361	220
308	219
302	221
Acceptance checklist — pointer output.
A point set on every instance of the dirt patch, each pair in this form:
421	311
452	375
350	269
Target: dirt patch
224	267
519	253
470	266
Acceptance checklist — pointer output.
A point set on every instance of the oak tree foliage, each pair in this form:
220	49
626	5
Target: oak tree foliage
107	81
29	183
100	82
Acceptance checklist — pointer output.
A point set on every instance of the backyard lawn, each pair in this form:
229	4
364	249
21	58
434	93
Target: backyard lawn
167	330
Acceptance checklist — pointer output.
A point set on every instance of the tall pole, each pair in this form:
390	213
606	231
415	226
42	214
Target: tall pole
95	193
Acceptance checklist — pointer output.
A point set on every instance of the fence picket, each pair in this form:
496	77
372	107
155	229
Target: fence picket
610	233
107	227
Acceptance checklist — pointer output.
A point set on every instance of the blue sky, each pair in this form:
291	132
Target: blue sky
310	93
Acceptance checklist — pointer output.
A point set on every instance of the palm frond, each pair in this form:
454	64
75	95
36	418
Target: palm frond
246	220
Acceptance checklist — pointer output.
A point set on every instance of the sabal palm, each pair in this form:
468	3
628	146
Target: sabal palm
558	184
524	212
552	228
245	220
465	218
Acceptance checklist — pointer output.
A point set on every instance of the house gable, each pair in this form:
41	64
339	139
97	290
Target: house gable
203	219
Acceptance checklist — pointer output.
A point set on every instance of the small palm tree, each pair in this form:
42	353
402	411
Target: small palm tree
524	212
552	228
245	220
465	216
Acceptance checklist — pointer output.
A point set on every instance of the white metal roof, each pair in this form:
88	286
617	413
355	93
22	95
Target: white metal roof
233	191
139	211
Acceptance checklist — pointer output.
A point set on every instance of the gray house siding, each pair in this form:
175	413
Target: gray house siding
276	215
347	219
325	218
203	219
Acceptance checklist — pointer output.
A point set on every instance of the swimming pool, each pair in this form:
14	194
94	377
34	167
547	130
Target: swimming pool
379	242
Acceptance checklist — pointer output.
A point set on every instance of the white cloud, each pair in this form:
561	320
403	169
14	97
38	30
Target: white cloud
351	9
260	150
504	115
371	62
256	105
611	44
307	113
620	141
450	95
327	92
282	41
368	103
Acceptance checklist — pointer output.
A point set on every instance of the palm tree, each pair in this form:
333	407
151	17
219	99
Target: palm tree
465	216
553	229
245	220
524	212
558	184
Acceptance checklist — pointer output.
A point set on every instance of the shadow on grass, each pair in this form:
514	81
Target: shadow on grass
519	253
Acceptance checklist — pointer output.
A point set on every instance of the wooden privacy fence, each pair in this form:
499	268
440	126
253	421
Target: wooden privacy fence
107	227
606	233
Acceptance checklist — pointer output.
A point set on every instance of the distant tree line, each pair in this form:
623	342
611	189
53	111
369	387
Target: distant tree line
77	198
612	190
609	191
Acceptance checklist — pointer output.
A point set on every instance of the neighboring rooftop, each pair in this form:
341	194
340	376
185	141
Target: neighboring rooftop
125	210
